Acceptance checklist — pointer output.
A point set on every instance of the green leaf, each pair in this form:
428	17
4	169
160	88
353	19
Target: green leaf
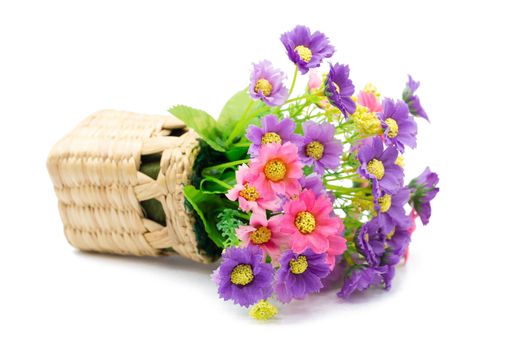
202	123
227	225
208	207
219	184
234	109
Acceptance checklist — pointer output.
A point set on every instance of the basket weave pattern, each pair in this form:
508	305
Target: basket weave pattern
95	173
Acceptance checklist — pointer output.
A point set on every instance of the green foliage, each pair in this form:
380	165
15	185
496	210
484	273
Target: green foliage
234	109
228	223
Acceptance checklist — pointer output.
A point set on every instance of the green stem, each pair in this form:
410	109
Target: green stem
347	190
240	124
294	80
296	99
220	182
225	165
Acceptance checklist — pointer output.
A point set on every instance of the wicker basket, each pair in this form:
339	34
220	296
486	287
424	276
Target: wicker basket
95	171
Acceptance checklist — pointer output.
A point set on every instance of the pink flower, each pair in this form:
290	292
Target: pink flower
249	196
309	222
277	170
263	233
369	100
315	80
336	247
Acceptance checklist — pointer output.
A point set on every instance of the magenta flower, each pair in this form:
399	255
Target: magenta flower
267	84
271	131
306	50
378	164
412	100
422	191
243	276
370	101
339	89
300	275
319	148
400	127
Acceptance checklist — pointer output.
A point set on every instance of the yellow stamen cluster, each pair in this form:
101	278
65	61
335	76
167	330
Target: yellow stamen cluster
367	122
315	150
249	193
304	52
370	88
393	128
376	168
264	86
385	203
271	137
275	170
241	275
305	222
263	310
299	265
400	161
261	235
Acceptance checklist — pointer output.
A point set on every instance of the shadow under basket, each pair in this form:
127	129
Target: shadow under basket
96	174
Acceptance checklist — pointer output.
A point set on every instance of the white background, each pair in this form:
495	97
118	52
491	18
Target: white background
61	61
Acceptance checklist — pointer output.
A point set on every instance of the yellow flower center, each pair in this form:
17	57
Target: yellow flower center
385	203
299	265
263	310
393	129
304	52
367	122
376	168
261	235
391	234
275	170
315	150
241	275
305	222
264	86
249	193
271	137
400	161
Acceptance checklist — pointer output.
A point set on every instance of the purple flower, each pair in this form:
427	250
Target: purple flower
378	164
412	100
360	279
396	245
339	89
300	275
370	241
313	182
267	84
319	147
390	209
422	190
400	127
306	50
243	276
271	131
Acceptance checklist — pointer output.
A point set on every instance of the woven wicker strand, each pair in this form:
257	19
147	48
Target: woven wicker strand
95	173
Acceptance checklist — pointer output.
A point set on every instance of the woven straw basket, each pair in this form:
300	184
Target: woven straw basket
95	171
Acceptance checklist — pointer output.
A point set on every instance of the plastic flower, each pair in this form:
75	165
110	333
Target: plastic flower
267	84
277	169
412	100
360	279
306	50
308	221
271	131
250	198
263	233
396	245
423	189
390	209
379	165
370	101
400	127
243	276
336	247
339	89
314	183
314	80
319	148
300	275
370	241
263	310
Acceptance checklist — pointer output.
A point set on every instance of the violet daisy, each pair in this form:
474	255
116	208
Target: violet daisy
396	245
243	276
339	89
378	164
306	50
370	241
360	279
267	84
422	191
390	209
319	147
400	127
300	275
412	100
271	131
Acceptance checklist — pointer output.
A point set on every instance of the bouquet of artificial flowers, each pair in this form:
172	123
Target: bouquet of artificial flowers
312	188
